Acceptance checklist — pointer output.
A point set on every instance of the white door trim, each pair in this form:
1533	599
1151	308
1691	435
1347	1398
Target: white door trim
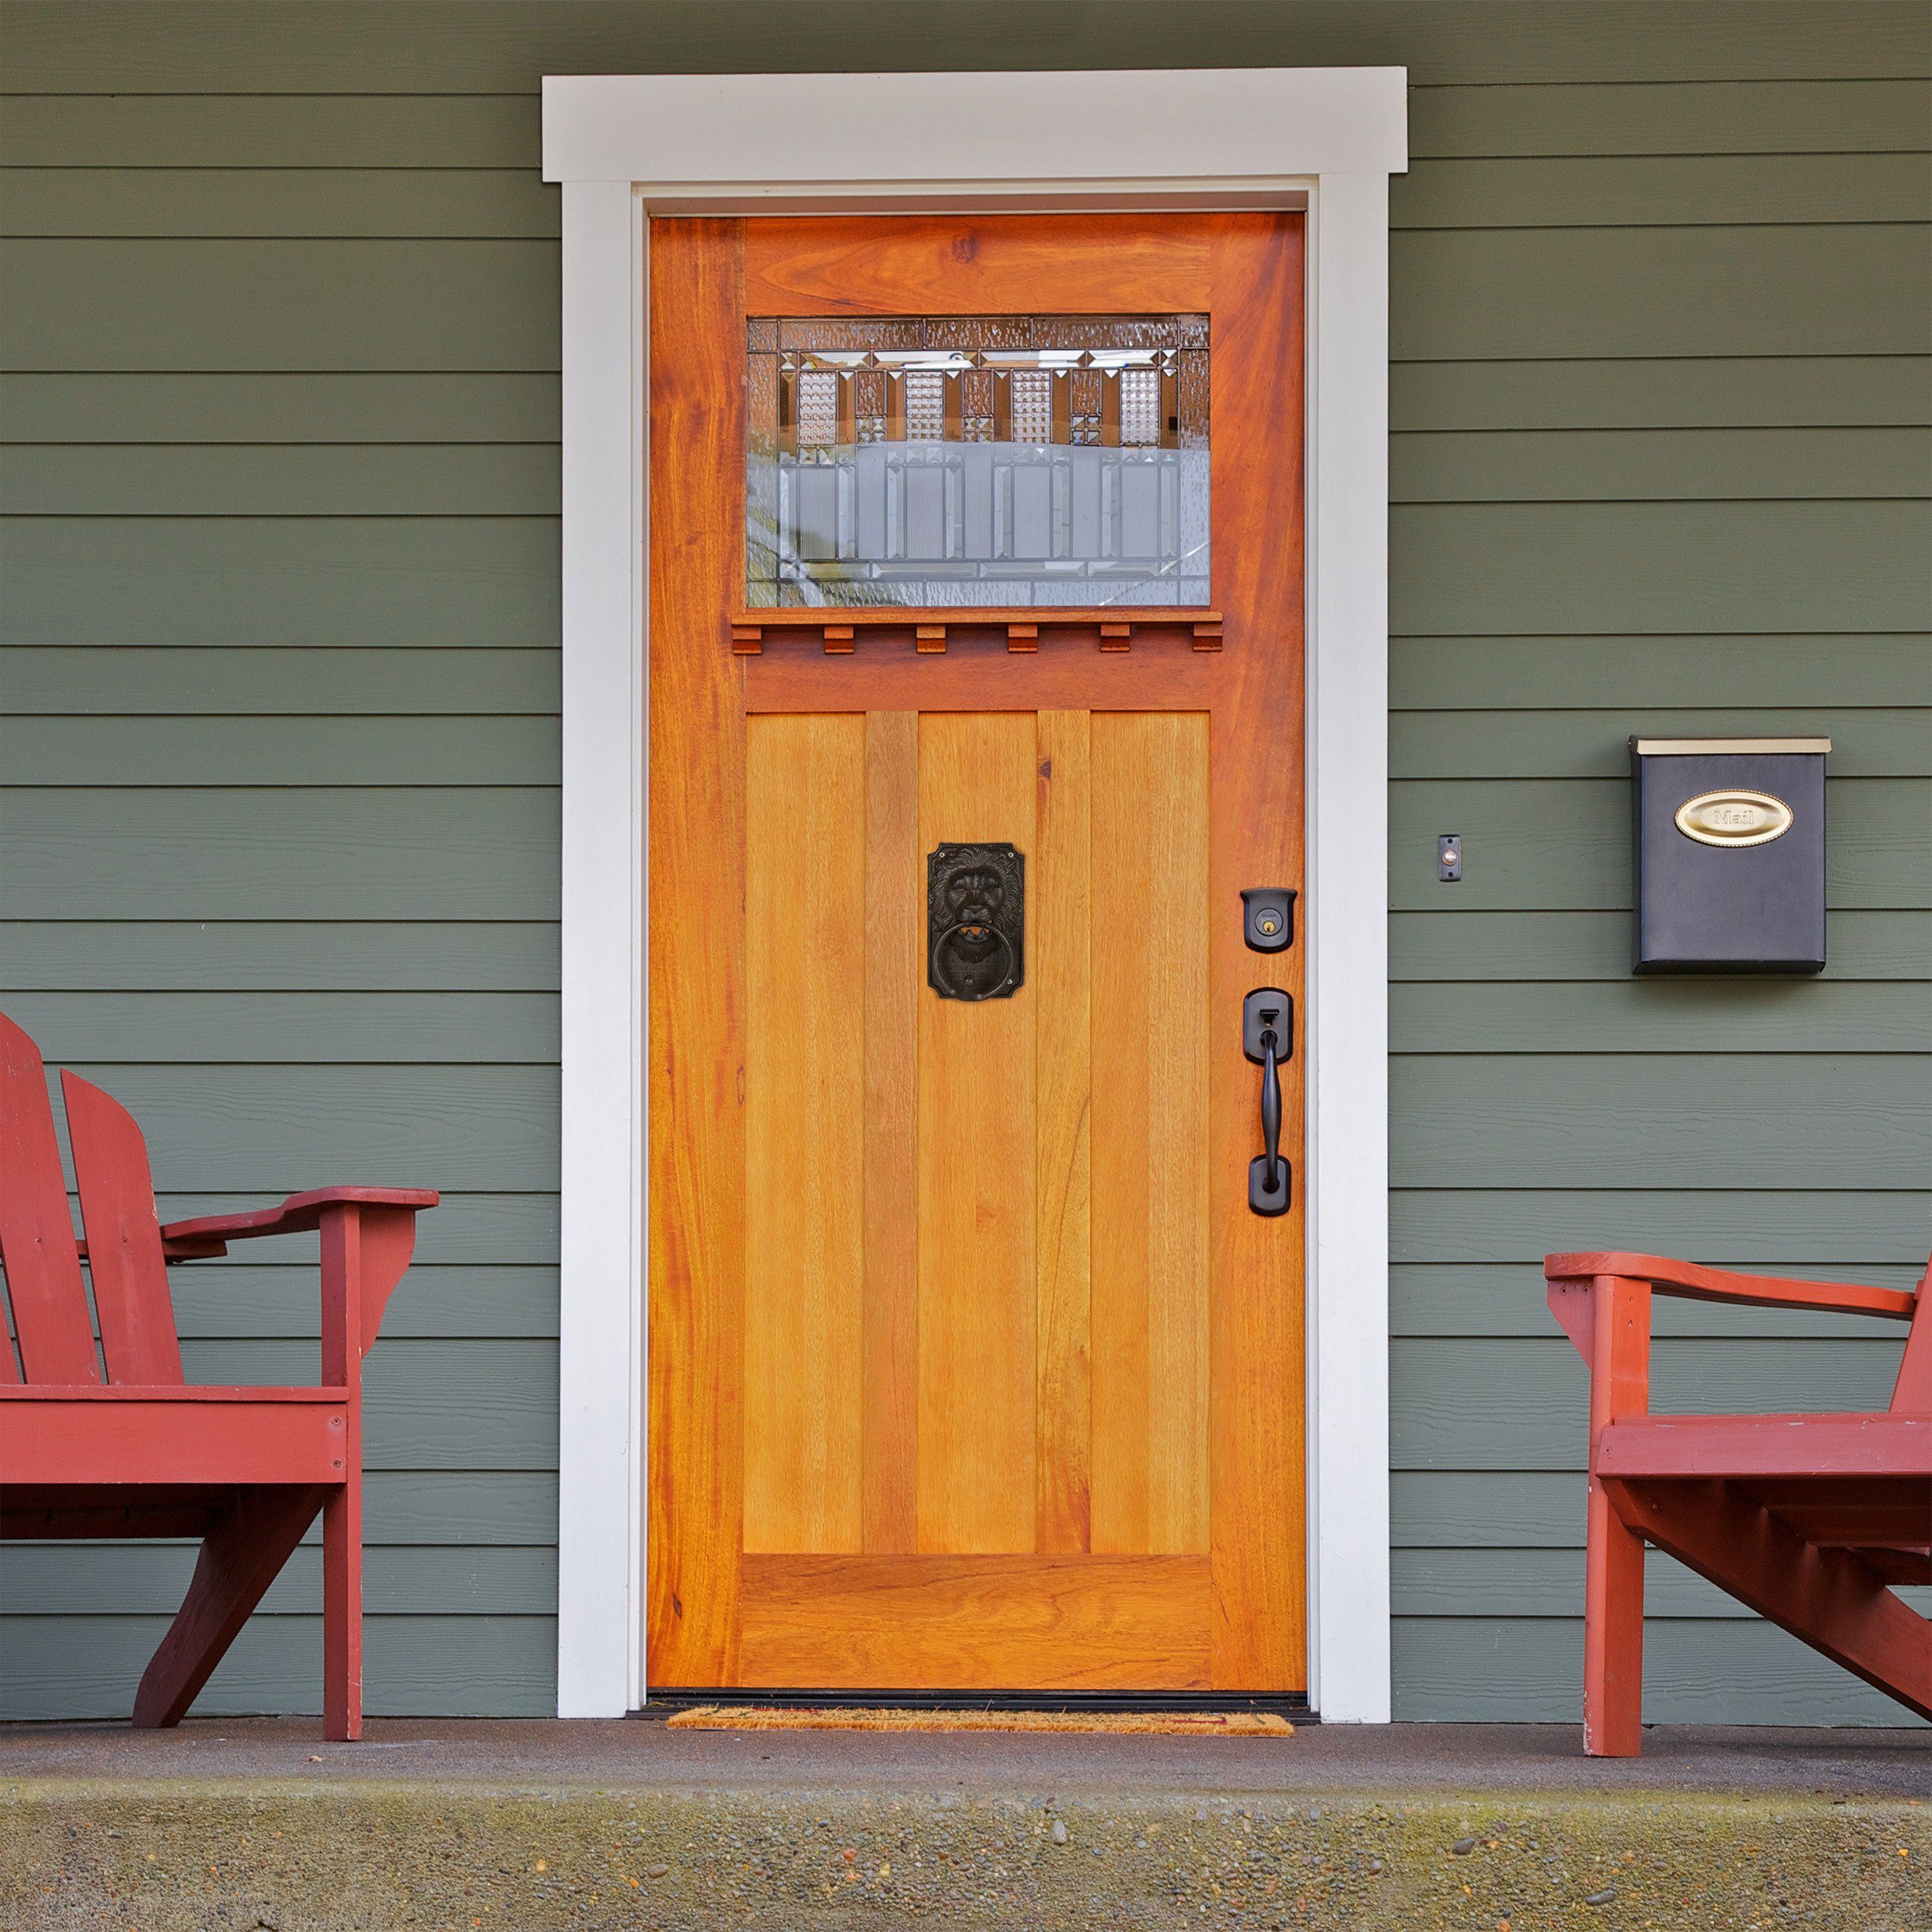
626	147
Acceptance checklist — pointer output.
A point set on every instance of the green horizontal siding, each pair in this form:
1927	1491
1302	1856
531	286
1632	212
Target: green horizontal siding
466	1028
142	752
148	1579
81	1666
232	1299
1595	569
1551	845
1485	1402
1596	946
1464	1299
249	955
1768	290
278	737
1661	392
307	687
1500	1668
448	46
1685	122
423	406
449	853
406	479
1648	191
1635	676
466	582
1521	743
80	304
1808	1228
1665	1017
356	203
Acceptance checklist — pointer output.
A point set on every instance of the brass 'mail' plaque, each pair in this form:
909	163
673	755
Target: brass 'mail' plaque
1733	818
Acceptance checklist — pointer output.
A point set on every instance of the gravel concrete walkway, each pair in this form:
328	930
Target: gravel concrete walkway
253	1824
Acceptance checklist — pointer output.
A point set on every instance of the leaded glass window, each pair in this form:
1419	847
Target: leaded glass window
989	460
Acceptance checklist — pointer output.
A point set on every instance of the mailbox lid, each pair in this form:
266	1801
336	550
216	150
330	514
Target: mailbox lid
1726	887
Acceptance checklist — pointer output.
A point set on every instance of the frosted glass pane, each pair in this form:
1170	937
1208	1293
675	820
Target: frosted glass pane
977	459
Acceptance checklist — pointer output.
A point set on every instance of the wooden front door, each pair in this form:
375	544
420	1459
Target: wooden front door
972	1367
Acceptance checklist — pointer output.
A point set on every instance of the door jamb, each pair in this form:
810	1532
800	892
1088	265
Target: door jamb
626	147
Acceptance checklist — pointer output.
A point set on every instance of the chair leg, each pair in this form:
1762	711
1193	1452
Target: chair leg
1612	1633
341	1613
241	1557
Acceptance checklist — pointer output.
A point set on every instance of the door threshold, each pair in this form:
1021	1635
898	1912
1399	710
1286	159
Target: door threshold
1292	1706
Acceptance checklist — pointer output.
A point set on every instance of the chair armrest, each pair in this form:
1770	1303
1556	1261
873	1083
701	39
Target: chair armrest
1686	1278
209	1234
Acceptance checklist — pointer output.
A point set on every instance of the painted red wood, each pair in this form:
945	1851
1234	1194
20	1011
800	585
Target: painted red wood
241	1556
1827	1597
144	1454
1911	1394
1691	1282
124	1259
1613	1558
159	1440
1809	1519
43	1265
1768	1446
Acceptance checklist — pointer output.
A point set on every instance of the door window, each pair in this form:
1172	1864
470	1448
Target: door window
997	460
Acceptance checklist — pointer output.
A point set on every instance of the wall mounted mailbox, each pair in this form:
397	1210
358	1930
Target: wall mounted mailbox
1730	854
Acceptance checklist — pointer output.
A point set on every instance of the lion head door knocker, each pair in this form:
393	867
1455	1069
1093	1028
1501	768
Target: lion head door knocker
976	922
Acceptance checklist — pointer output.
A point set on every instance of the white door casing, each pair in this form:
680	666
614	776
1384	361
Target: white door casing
625	148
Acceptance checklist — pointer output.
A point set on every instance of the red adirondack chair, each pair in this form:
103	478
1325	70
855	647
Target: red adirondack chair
143	1454
1809	1519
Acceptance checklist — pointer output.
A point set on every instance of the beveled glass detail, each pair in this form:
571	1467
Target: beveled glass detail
977	460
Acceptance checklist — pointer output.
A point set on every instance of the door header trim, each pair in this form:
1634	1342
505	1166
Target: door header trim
927	140
627	147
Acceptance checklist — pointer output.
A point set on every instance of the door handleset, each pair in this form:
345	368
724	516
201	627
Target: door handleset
1268	1038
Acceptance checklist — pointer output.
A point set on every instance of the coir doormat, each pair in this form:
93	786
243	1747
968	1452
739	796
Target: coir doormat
1140	1724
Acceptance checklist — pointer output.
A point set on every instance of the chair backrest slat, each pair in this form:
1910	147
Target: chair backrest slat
37	1244
124	1254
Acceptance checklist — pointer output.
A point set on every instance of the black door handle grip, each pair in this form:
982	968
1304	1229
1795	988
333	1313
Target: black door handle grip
1271	1111
1268	1038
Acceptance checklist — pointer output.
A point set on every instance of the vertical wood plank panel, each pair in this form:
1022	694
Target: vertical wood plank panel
894	976
1255	767
977	1286
1058	916
1122	1018
1150	1135
805	1133
1174	747
697	843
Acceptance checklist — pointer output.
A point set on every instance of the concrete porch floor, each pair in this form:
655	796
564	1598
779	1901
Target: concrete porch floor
253	1823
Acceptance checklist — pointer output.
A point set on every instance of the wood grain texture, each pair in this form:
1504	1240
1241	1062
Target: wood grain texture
951	264
894	950
1255	757
976	1280
697	1011
980	674
1151	1016
804	1209
1058	926
1027	1622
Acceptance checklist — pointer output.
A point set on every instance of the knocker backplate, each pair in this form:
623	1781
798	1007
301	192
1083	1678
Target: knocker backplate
976	921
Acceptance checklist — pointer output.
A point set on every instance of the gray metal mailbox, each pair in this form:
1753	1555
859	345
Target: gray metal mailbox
1730	854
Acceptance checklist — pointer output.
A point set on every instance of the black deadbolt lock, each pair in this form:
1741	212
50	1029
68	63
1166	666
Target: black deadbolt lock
976	926
1268	918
